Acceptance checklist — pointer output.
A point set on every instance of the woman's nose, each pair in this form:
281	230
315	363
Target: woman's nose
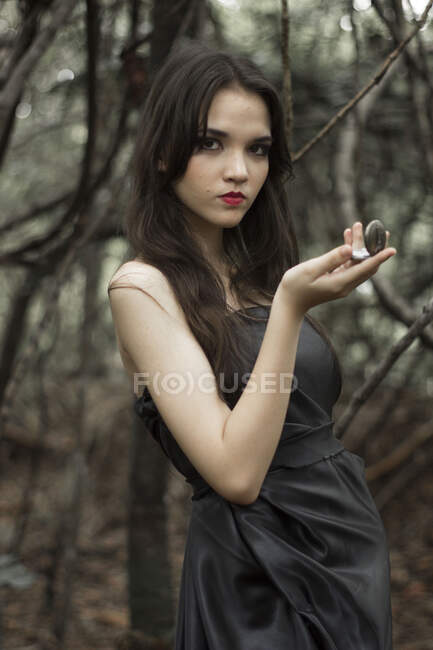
236	168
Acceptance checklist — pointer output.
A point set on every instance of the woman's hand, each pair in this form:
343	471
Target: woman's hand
332	275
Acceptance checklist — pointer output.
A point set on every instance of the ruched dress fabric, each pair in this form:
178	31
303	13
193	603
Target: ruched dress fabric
304	567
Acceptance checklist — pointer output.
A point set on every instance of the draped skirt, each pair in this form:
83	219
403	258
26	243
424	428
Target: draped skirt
304	567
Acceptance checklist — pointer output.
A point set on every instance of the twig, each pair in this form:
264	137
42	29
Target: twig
395	31
398	307
374	81
359	435
15	221
409	472
364	392
400	453
186	23
287	77
56	283
14	85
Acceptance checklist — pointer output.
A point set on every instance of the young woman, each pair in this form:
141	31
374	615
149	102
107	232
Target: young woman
285	547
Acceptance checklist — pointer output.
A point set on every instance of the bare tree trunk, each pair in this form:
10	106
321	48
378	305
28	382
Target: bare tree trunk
149	570
78	463
15	328
171	19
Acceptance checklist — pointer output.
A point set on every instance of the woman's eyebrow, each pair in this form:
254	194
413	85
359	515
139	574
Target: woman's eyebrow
223	134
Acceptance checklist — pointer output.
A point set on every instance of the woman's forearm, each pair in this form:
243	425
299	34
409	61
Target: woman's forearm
254	426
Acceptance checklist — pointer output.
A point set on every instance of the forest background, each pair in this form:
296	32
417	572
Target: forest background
92	518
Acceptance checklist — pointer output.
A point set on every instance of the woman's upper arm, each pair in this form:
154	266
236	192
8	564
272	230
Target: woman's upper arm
177	372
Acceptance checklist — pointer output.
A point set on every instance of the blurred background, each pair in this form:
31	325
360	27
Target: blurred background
92	517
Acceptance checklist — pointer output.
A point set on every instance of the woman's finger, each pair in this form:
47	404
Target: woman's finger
331	260
348	236
358	237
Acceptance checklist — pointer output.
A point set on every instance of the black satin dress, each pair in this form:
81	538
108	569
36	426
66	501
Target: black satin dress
306	566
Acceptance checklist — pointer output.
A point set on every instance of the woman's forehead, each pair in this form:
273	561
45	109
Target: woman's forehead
237	108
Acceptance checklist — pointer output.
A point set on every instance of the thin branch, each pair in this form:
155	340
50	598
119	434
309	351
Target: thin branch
13	87
92	46
374	81
42	209
359	435
398	307
15	326
287	77
419	95
135	42
420	282
423	60
16	82
134	45
83	229
15	221
417	71
396	33
409	472
67	256
363	393
398	455
47	128
72	215
357	45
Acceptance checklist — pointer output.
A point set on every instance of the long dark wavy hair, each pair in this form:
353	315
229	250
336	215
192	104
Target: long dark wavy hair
260	248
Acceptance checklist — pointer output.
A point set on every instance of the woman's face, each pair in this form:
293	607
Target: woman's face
232	157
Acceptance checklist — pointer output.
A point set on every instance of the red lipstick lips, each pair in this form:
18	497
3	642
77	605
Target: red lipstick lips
233	198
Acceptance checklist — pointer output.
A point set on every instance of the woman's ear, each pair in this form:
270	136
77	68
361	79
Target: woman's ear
162	167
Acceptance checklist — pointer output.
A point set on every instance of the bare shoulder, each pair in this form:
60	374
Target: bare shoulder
141	272
150	279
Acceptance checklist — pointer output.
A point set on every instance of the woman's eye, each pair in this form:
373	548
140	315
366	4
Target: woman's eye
260	149
208	144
